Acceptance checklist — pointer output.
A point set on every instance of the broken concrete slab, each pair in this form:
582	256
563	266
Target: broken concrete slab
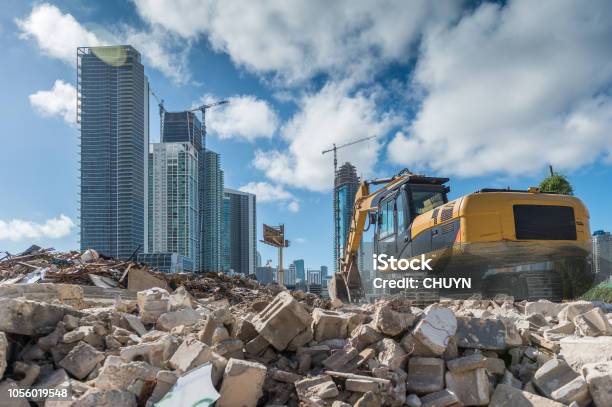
81	360
580	351
465	363
508	396
471	387
25	317
369	399
557	380
425	375
442	398
593	323
152	303
329	324
169	320
560	331
599	379
478	333
190	354
363	336
435	329
393	317
391	354
140	280
247	378
105	398
573	309
339	359
316	388
543	307
282	320
135	377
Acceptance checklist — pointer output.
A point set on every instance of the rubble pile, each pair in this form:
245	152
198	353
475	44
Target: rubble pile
181	348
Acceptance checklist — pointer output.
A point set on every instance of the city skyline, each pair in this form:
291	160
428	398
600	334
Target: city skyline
504	135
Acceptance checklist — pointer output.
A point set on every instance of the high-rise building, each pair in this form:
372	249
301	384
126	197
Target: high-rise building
314	277
602	255
113	112
346	183
290	276
243	234
264	275
174	196
323	271
211	255
299	269
186	127
257	259
225	235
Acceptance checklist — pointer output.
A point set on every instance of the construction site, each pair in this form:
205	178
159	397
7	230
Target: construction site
81	330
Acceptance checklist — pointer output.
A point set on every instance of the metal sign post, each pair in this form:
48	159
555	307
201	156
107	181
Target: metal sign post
275	237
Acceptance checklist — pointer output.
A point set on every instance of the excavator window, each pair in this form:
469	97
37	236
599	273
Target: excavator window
386	225
426	198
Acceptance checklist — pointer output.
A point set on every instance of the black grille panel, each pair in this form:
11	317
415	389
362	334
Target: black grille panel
544	222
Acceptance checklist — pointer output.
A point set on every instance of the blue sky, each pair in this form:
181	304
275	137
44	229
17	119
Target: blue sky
482	93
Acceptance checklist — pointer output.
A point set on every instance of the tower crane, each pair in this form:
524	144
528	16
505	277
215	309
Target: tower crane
160	104
203	109
335	149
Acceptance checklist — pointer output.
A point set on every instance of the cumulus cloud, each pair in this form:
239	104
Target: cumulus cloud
245	117
59	34
19	229
56	34
297	40
332	115
266	192
59	101
504	93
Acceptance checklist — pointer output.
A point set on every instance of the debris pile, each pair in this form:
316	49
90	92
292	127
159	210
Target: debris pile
182	346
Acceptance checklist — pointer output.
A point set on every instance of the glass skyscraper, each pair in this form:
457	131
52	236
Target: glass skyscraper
300	271
225	235
113	113
174	192
346	184
243	234
212	212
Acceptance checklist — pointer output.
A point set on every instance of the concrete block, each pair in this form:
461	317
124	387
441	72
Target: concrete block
164	381
152	303
311	390
242	384
169	320
156	353
425	375
135	377
340	358
282	320
243	329
442	398
134	323
558	381
414	347
593	323
81	360
599	379
580	351
362	385
256	346
24	317
435	329
301	339
562	330
369	399
495	366
573	309
363	336
329	324
465	363
391	354
471	387
544	307
508	396
392	317
192	353
105	398
477	333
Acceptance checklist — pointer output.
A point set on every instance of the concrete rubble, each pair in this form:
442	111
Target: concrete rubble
265	346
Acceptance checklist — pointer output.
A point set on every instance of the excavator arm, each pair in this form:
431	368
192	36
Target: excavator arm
346	284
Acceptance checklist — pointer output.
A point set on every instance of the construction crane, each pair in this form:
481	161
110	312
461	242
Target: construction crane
203	109
160	104
335	149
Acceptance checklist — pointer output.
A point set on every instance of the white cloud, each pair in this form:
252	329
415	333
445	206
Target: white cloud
297	40
59	101
266	192
244	117
18	229
332	115
505	93
58	35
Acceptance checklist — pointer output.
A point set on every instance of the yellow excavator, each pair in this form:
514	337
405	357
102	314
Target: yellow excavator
522	243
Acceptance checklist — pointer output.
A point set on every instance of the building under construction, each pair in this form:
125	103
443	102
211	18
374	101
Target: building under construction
346	183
